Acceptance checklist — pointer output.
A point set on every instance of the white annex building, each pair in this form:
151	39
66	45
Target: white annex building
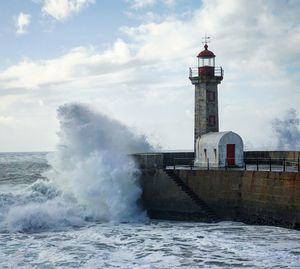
219	149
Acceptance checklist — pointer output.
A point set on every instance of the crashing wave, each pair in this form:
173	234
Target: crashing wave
92	176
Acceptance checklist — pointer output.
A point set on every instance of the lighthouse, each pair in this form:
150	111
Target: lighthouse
206	78
212	148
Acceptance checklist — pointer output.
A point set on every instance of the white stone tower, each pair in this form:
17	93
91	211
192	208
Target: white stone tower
206	78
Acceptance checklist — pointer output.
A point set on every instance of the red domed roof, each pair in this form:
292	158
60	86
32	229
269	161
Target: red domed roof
206	53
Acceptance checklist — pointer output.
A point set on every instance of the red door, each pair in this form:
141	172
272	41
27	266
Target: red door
230	154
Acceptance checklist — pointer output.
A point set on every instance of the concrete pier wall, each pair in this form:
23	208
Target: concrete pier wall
257	197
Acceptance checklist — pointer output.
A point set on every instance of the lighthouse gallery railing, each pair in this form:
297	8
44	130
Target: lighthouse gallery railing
194	72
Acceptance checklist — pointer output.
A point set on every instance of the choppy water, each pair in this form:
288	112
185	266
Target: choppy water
150	244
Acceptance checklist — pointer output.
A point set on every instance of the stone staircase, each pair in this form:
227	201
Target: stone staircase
185	188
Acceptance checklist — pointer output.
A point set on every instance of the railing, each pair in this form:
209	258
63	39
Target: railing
185	162
251	164
272	164
194	72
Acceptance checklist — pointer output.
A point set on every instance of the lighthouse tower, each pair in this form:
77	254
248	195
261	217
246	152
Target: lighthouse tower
206	78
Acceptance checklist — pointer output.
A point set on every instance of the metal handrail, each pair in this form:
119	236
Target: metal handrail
194	72
266	164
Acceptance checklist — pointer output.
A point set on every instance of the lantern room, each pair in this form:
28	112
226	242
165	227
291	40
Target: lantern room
206	63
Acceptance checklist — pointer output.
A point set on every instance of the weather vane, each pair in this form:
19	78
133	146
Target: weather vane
206	39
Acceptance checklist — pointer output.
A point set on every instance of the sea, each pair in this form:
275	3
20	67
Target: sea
78	207
32	236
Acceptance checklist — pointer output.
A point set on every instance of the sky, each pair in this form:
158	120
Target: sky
129	59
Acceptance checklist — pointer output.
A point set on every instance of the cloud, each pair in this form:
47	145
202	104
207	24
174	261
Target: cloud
142	3
139	4
6	120
149	72
63	9
81	62
22	22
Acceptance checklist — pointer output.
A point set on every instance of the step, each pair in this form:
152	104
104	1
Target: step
203	206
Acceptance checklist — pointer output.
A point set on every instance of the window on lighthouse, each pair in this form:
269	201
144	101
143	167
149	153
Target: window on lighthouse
211	120
211	96
208	62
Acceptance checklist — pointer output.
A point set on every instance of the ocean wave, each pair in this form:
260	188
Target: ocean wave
92	177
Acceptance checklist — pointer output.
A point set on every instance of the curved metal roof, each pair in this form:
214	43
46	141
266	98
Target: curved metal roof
206	53
215	138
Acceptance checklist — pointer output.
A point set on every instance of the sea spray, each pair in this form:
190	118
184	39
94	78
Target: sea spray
92	163
287	131
92	177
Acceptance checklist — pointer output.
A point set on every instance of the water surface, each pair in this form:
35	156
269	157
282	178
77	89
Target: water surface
43	243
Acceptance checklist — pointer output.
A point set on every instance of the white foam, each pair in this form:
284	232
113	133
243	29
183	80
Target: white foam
92	177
